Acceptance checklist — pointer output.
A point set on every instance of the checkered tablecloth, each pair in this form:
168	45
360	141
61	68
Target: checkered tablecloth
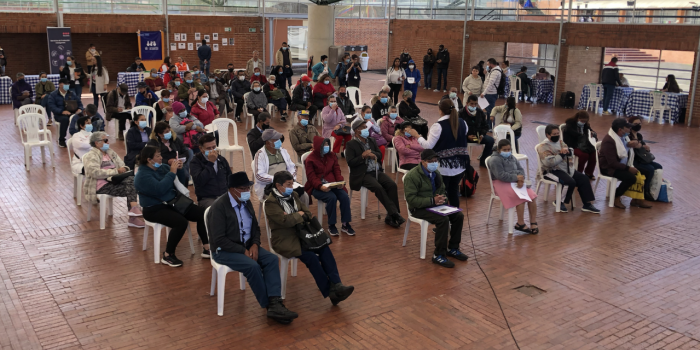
544	90
32	80
640	101
507	90
618	102
133	78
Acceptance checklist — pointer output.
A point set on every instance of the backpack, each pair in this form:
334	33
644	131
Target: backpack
501	89
471	178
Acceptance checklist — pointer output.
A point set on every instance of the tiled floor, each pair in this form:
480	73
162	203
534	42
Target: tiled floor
625	279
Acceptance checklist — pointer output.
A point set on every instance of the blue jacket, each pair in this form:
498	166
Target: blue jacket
204	53
209	182
411	74
134	144
155	186
142	101
98	124
17	88
317	69
57	102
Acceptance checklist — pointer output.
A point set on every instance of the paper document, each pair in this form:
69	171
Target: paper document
411	80
337	184
444	210
521	192
483	103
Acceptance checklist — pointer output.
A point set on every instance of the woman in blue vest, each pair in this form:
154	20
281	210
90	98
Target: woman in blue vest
448	138
412	72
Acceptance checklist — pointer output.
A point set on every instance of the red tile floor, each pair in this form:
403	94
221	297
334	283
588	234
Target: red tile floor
624	279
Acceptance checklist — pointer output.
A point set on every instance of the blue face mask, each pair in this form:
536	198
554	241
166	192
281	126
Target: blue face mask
157	165
326	82
245	196
183	114
105	147
257	74
88	127
206	153
168	135
165	99
278	144
177	83
326	149
625	135
331	104
68	62
66	87
471	109
393	115
580	123
368	115
212	80
143	124
43	80
347	61
189	81
196	72
304	122
432	167
505	154
288	191
408	134
364	133
384	99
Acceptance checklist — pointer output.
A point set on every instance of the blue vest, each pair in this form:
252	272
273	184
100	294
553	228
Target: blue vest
452	152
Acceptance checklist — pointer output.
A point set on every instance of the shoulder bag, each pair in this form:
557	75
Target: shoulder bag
311	235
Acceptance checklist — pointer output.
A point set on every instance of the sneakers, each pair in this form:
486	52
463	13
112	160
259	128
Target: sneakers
339	292
455	253
62	144
389	220
238	119
347	229
399	220
442	261
590	209
436	90
205	254
333	230
445	91
171	260
135	221
562	209
135	211
607	113
278	312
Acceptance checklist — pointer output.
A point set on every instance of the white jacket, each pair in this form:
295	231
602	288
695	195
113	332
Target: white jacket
392	76
100	81
261	166
81	145
492	81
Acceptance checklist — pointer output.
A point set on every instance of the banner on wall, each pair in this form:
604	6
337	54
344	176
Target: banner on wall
151	49
60	47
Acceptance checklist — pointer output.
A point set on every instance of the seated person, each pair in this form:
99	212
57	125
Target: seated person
302	135
235	241
454	97
182	122
576	136
509	114
303	98
254	136
269	160
344	101
424	188
276	96
171	149
21	92
101	163
137	66
478	127
258	76
172	87
624	81
81	144
364	160
154	82
376	97
643	159
210	172
671	84
284	212
256	102
379	110
321	169
558	165
145	97
322	91
187	90
472	84
203	109
381	107
198	75
98	124
333	120
155	183
165	102
238	88
411	113
118	105
389	123
407	147
170	75
43	89
217	93
136	139
504	170
62	104
614	161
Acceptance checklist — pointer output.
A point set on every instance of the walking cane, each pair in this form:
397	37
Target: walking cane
376	176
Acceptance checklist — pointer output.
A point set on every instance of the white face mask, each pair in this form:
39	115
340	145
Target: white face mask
241	77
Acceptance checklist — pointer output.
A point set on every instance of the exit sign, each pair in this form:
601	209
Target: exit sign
227	29
252	30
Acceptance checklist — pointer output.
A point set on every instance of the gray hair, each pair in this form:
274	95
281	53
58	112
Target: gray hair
20	74
96	137
407	93
386	88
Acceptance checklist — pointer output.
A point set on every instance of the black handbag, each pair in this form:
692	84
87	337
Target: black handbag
117	179
180	203
345	130
312	236
643	156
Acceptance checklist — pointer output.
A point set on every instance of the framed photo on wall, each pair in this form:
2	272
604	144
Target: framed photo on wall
216	47
181	46
197	36
183	37
206	37
190	46
177	36
224	42
215	36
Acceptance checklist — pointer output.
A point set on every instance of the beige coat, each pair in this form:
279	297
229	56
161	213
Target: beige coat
100	82
249	70
279	59
90	58
92	162
472	85
497	113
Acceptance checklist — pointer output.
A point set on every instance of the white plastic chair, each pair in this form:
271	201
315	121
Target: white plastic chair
106	203
514	83
355	96
500	132
218	276
423	229
158	93
30	126
596	94
511	211
148	111
222	125
38	109
561	132
16	111
363	195
541	136
77	178
399	170
612	182
284	262
248	117
658	106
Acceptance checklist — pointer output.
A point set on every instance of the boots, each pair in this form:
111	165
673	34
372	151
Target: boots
618	203
339	292
640	203
278	312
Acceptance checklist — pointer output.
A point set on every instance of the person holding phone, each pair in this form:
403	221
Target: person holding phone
171	149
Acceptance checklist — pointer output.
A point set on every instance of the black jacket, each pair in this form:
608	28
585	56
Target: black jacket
357	164
428	61
404	58
208	182
445	57
134	145
298	95
478	124
239	87
65	74
255	141
408	110
224	229
345	105
610	75
176	145
380	109
134	67
573	139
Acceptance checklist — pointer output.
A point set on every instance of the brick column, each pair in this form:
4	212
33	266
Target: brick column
561	72
695	121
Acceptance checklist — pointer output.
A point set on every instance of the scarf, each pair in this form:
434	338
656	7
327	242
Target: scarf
621	151
287	203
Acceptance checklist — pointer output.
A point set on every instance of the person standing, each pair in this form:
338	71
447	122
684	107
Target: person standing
3	61
428	64
443	62
43	88
253	63
610	77
204	54
412	80
405	57
395	76
99	78
284	58
90	58
341	70
73	71
491	85
472	85
353	72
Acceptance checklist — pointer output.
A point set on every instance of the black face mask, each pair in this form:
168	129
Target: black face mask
342	94
555	138
265	126
637	127
230	69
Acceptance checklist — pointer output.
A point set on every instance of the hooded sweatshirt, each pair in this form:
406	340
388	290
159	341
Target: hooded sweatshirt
321	169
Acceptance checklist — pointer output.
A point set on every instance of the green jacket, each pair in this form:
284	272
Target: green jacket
42	89
284	237
184	87
417	188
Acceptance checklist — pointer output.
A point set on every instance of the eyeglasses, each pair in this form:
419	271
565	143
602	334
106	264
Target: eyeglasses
105	141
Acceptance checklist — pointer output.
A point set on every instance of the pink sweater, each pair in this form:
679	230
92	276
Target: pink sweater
331	118
407	155
388	127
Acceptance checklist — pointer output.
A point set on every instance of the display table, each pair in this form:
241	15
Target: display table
617	104
543	90
6	83
132	79
640	102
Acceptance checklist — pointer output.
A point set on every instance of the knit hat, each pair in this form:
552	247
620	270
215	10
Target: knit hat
178	107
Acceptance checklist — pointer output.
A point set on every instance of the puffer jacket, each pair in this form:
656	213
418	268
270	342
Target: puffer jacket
320	167
504	169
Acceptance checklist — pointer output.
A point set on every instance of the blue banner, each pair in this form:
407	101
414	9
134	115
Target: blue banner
151	46
60	47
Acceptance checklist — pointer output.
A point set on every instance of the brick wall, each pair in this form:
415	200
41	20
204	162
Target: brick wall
483	50
20	59
26	23
583	67
514	32
110	23
659	37
370	32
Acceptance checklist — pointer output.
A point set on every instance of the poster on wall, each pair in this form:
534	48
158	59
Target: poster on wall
150	46
173	47
177	36
206	37
197	36
224	42
183	36
190	46
60	47
216	47
215	36
198	45
230	41
181	46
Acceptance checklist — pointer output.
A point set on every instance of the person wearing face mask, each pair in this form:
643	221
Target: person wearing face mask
172	149
321	169
90	58
395	76
99	79
428	64
235	242
405	58
322	91
334	124
506	170
165	102
62	104
283	58
276	96
576	136
424	188
271	159
280	77
376	97
204	108
353	73
210	172
229	74
341	70
472	85
344	102
21	92
256	102
254	136
184	125
154	82
187	91
643	159
388	125
407	147
302	135
169	75
492	84
96	120
558	165
442	62
320	69
239	87
303	97
100	164
409	111
367	115
217	92
136	139
181	65
412	79
155	182
365	162
145	96
73	72
479	127
258	76
509	114
255	62
43	89
381	107
80	142
454	97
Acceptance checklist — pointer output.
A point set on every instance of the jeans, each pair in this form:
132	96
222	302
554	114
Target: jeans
608	95
442	76
452	188
322	267
330	198
263	275
395	91
569	182
205	66
178	223
491	99
44	103
288	72
184	174
626	178
428	72
385	189
648	171
122	118
281	105
77	90
442	228
63	119
586	161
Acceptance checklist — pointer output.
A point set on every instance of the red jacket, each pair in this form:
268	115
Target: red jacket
261	78
321	167
323	89
205	116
